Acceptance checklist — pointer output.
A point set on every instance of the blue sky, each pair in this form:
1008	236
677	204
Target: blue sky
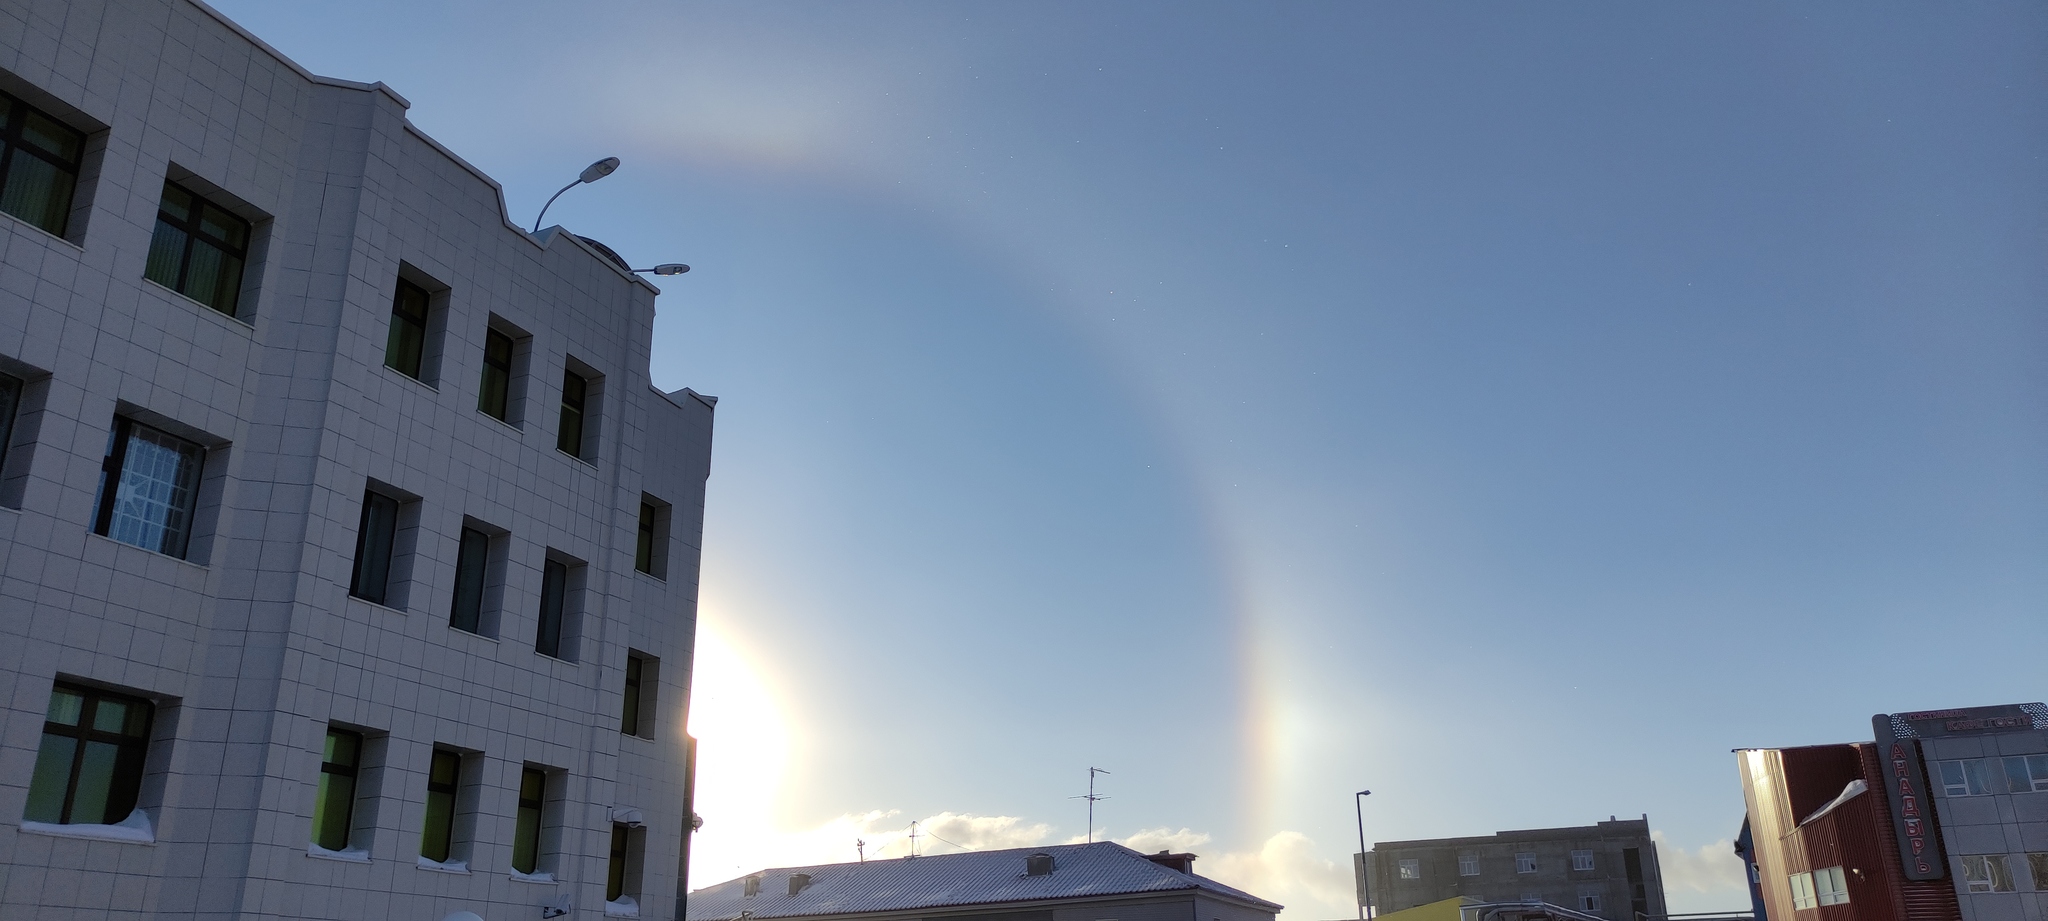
1507	408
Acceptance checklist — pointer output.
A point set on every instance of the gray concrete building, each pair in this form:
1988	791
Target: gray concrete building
348	556
1987	769
1102	881
1608	870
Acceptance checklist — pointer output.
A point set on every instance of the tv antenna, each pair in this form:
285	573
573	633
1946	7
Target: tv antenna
913	839
860	846
1091	798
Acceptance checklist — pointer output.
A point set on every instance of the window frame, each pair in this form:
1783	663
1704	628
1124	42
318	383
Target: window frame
554	608
1831	886
1803	895
1525	862
386	531
2026	774
636	717
402	322
1990	871
1468	864
353	771
571	441
621	879
13	392
193	228
472	552
173	540
1585	853
530	819
1590	900
447	795
506	368
13	140
1973	777
1408	868
131	752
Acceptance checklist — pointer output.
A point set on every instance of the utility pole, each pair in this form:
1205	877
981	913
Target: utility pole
1091	798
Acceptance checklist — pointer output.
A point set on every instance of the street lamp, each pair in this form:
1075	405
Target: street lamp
591	173
666	268
1364	877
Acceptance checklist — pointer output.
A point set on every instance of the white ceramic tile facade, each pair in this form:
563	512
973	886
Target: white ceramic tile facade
253	646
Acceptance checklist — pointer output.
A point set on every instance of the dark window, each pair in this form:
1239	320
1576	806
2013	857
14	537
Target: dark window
437	839
471	561
149	488
575	387
615	868
38	165
89	768
407	343
334	805
533	788
494	399
643	552
10	404
629	721
554	595
198	249
375	539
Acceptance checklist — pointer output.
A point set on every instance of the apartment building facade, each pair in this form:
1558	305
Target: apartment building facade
348	555
1608	869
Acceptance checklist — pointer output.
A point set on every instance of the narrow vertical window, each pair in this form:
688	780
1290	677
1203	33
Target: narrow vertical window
149	488
406	345
569	438
375	539
437	837
334	803
471	561
629	721
198	249
494	398
10	405
533	786
643	549
554	591
39	161
622	872
89	767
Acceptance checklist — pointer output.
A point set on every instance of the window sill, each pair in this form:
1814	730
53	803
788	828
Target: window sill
431	387
636	737
459	867
642	572
209	308
135	829
37	229
543	878
624	906
587	462
515	427
472	634
378	605
155	553
351	855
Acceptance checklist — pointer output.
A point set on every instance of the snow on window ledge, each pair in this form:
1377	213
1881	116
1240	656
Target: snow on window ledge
548	878
622	907
445	866
352	855
135	829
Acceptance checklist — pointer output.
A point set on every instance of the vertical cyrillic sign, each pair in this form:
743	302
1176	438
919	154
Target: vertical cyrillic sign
1912	809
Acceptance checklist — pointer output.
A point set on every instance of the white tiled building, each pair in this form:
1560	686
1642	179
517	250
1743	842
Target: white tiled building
348	558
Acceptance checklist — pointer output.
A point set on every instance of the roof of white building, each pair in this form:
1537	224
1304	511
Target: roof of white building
971	878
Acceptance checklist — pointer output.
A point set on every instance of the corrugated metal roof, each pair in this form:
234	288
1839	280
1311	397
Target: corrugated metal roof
970	878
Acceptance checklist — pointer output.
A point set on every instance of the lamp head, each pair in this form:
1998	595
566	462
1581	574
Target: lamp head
671	268
599	170
1365	793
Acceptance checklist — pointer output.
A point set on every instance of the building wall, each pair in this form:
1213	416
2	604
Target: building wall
1998	823
1498	880
253	645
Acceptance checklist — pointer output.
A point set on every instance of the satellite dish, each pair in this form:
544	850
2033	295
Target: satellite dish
464	916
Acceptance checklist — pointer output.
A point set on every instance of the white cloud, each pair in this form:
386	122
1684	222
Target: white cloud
1286	870
1153	840
1712	870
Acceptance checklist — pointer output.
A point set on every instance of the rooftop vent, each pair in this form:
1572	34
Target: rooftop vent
798	882
1184	863
753	887
1038	865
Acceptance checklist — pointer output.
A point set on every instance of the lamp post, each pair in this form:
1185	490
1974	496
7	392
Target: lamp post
666	268
591	173
1364	877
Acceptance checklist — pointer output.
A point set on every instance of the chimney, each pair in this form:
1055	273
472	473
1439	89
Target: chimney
1182	863
753	887
1039	864
798	882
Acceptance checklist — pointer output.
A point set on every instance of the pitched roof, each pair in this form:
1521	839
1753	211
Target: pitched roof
971	878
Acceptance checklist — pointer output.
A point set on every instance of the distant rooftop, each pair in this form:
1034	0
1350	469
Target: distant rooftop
1613	826
972	878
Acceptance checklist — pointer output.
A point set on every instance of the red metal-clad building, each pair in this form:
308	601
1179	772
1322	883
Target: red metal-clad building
1823	842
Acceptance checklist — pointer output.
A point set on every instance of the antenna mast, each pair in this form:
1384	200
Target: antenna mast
913	839
860	846
1091	798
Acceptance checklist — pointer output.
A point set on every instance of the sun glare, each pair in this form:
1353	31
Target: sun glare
742	755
